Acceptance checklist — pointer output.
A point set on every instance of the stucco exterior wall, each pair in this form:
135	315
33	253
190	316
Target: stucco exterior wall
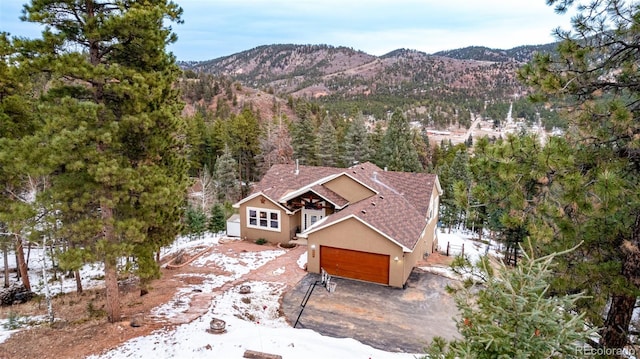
294	222
349	189
353	234
287	225
432	243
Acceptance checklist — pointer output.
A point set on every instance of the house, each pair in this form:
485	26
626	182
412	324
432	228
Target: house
360	222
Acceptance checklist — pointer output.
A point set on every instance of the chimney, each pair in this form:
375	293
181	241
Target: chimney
297	167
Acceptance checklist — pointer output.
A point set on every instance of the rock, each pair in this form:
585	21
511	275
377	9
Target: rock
58	324
136	321
15	294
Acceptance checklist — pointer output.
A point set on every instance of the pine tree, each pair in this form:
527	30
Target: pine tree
544	193
594	73
375	140
456	181
196	222
357	149
303	140
326	145
510	182
421	144
17	171
115	142
196	142
397	152
217	222
510	313
244	132
226	177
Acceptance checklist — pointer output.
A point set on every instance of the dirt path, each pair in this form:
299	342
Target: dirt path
83	329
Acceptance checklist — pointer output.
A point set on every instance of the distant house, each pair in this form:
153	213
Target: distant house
360	222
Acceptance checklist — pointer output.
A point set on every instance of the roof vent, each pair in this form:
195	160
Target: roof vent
381	197
373	204
364	212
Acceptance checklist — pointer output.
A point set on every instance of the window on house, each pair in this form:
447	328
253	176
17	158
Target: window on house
263	219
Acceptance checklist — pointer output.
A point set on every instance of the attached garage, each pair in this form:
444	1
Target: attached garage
370	267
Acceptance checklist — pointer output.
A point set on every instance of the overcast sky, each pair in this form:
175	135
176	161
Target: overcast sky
216	28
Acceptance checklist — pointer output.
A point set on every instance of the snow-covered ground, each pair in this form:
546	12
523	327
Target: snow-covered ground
459	241
252	323
252	320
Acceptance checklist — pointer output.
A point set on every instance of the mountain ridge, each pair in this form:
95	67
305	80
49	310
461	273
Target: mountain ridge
521	53
432	88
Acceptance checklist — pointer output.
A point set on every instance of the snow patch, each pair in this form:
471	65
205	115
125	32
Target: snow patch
302	260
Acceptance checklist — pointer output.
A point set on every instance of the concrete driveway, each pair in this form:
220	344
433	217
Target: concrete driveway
391	319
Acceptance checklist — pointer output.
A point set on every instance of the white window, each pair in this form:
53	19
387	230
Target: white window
263	219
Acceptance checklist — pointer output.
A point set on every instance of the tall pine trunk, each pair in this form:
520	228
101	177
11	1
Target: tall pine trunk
5	257
110	266
22	264
615	330
111	288
76	274
616	327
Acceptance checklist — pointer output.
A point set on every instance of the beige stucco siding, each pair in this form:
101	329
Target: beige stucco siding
425	245
349	189
353	234
432	244
294	223
282	235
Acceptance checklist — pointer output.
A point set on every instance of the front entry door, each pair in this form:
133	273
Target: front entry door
311	216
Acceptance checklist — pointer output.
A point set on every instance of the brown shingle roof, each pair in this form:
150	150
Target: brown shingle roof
399	210
282	179
401	206
328	194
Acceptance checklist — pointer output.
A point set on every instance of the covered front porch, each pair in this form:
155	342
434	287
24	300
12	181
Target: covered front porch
309	208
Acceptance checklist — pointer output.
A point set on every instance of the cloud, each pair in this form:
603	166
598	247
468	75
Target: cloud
215	28
373	26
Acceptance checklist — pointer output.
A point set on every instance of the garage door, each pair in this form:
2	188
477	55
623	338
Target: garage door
347	263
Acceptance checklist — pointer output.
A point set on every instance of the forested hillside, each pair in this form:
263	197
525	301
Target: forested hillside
438	90
480	53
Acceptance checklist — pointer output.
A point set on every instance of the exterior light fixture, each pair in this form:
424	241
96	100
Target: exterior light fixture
396	258
313	251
